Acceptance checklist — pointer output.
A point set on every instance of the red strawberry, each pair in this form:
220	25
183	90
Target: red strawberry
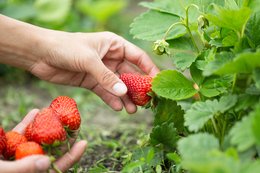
67	111
2	140
27	149
13	140
28	132
47	128
138	86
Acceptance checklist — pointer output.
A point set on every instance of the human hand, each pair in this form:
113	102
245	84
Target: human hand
39	163
88	60
93	61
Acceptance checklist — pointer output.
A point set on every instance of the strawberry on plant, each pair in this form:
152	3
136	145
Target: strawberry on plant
67	111
47	128
2	140
138	87
27	149
13	140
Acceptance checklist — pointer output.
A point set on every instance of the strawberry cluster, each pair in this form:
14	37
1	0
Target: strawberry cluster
50	128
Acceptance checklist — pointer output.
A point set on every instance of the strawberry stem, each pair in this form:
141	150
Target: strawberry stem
55	168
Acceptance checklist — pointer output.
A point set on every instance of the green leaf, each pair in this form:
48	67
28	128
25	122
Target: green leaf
173	85
178	7
197	146
252	90
183	52
226	102
246	102
201	112
152	25
252	30
132	166
149	155
254	5
213	86
168	111
219	60
256	76
196	74
212	162
242	134
174	157
230	40
255	124
164	134
242	63
225	18
251	167
52	11
166	6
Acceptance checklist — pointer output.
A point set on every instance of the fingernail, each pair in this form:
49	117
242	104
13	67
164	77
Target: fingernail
42	164
120	88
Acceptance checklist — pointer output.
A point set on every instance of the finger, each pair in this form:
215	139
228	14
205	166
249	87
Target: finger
127	67
20	128
106	78
73	137
138	57
113	101
31	164
71	157
129	105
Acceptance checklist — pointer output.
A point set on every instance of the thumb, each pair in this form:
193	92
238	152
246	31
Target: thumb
31	164
107	79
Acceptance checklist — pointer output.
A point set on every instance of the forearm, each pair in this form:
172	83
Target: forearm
21	44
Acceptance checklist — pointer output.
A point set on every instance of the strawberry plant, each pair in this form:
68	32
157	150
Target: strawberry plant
206	108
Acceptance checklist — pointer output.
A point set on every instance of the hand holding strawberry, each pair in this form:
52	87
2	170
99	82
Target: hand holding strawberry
31	128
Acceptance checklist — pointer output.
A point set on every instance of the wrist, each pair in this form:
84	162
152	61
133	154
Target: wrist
21	44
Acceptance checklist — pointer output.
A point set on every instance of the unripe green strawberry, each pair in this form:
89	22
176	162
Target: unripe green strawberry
138	87
2	140
47	128
67	111
13	140
28	149
161	47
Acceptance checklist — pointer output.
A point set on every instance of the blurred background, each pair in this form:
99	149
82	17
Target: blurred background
111	135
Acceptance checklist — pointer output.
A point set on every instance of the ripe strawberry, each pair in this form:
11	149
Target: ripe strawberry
138	86
2	140
13	140
28	132
47	128
67	111
27	149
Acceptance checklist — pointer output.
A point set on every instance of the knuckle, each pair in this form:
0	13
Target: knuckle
107	77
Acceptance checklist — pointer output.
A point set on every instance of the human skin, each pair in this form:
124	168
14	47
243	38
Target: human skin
89	60
39	163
